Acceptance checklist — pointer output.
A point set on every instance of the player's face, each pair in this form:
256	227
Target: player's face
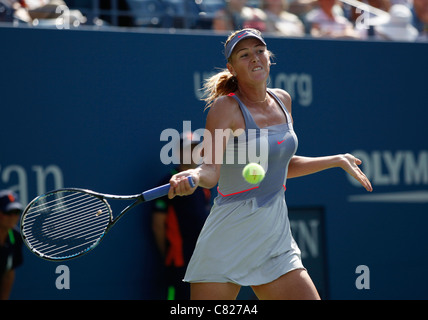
250	61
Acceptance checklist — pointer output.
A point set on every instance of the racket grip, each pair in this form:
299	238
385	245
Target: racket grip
161	191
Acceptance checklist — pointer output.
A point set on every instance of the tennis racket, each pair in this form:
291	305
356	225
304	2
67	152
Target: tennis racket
67	223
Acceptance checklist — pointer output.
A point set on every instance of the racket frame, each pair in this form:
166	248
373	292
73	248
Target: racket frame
139	198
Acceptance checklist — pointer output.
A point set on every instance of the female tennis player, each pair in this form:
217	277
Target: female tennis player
246	240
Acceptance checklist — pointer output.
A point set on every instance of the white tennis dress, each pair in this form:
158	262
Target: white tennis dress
246	238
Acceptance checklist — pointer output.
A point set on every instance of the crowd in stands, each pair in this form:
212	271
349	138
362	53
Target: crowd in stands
396	20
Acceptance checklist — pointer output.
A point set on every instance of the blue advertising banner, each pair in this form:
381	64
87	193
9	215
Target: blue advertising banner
87	109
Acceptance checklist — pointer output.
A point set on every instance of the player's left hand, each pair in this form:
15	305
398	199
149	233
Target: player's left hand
350	164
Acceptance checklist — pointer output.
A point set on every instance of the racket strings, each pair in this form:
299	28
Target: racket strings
59	212
65	223
63	217
58	201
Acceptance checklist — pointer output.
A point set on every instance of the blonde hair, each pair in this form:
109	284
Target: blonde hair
222	83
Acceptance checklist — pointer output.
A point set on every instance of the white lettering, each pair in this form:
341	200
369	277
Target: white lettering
198	311
63	280
416	172
299	86
381	179
363	280
187	148
15	178
250	147
21	187
385	168
393	165
63	20
43	173
170	151
262	144
363	20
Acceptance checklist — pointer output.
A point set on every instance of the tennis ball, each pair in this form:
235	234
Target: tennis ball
253	173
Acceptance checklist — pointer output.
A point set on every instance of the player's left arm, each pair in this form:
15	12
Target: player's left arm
301	166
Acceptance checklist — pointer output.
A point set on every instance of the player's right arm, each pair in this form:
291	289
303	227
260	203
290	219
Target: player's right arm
224	116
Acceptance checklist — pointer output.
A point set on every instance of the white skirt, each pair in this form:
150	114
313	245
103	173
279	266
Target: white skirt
245	244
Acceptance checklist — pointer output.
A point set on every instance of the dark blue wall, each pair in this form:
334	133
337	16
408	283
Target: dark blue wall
86	109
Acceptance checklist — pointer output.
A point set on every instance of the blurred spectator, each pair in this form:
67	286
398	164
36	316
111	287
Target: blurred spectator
407	3
399	27
12	10
177	223
384	5
10	241
54	12
301	7
420	18
328	21
281	22
46	12
43	9
237	15
365	20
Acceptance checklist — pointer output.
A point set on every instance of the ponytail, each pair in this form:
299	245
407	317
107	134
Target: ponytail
220	84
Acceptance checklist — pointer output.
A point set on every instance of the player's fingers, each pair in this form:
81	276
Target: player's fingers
184	188
172	190
362	178
368	185
178	184
187	188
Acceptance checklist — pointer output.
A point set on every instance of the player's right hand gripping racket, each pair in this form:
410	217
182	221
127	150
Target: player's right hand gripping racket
67	223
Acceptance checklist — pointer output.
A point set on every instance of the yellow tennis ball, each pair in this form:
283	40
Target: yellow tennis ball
253	173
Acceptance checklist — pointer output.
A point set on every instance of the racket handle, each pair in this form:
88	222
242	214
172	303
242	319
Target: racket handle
161	191
191	182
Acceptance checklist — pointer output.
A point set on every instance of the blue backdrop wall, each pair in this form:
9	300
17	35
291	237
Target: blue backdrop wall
86	109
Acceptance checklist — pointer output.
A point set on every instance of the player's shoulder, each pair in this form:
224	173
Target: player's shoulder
224	107
225	103
284	96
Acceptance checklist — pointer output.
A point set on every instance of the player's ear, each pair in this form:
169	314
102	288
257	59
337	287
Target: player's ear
230	68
